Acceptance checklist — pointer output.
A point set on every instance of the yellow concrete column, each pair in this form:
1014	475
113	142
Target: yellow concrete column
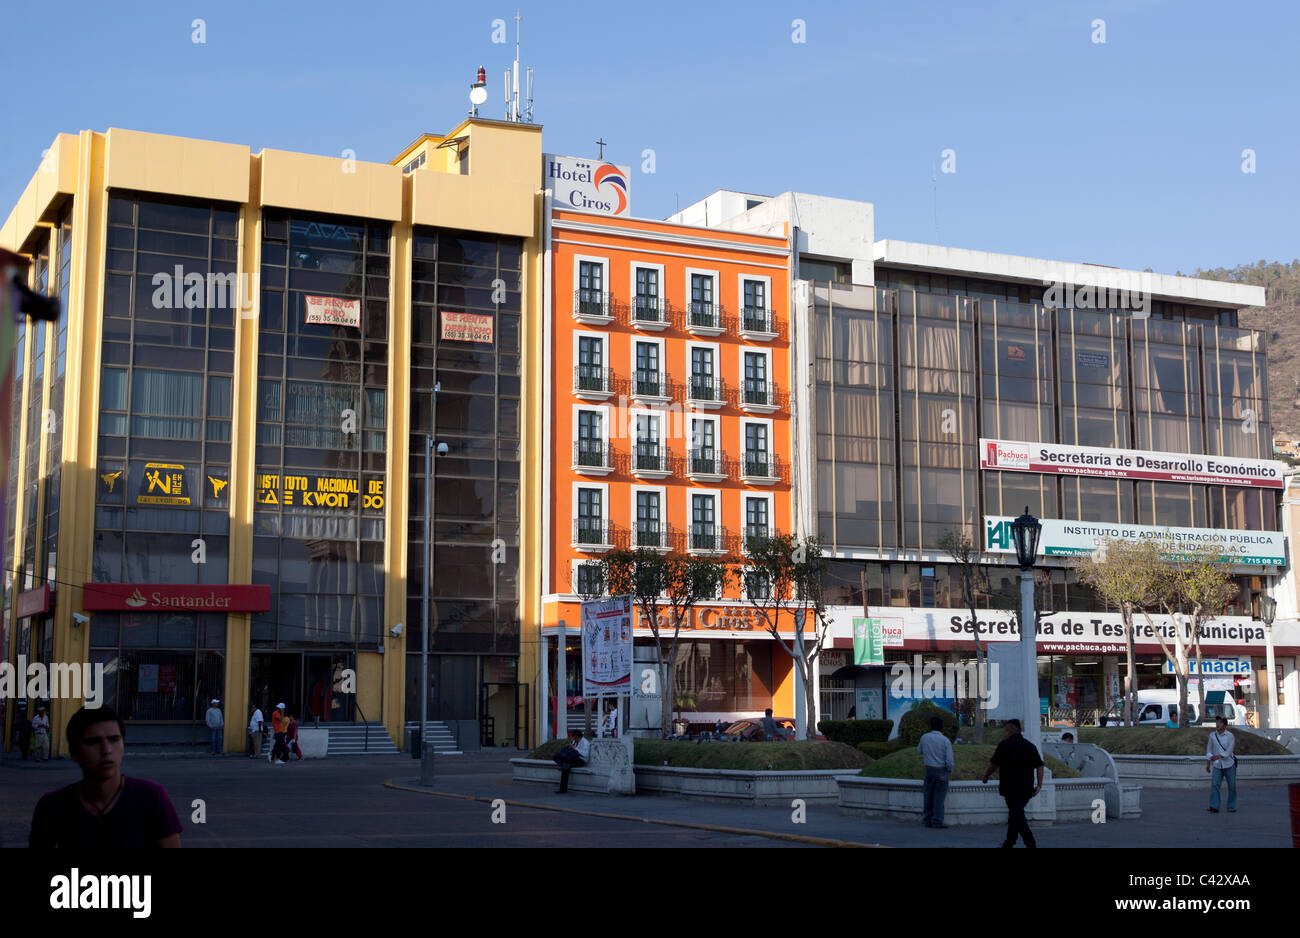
243	436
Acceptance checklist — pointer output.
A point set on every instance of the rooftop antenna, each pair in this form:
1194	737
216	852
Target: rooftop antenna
513	109
934	182
478	92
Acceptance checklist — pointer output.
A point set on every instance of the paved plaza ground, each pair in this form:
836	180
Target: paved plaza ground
359	801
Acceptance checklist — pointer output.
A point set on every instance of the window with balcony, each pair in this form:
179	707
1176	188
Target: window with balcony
649	526
592	298
647	305
756	317
704	457
591	372
758	389
704	382
587	580
757	585
589	528
649	452
649	378
703	311
756	518
704	528
758	461
590	448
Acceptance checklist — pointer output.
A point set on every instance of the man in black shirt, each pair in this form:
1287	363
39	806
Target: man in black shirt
105	809
1015	760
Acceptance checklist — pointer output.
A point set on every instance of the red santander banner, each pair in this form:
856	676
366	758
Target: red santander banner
1100	462
170	597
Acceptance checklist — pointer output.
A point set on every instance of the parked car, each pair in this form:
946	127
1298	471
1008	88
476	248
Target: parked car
752	730
1159	706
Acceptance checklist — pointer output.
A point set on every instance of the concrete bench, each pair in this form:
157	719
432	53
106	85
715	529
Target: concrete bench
608	769
1123	799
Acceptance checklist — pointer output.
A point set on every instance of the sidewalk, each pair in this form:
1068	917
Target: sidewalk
1170	817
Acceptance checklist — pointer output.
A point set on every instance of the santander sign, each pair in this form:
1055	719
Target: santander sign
169	597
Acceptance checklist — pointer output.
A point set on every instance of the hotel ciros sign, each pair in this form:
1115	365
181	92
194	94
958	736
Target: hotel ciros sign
589	185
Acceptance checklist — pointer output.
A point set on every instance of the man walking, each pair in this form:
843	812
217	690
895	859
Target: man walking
256	726
770	730
1015	760
41	734
1221	763
574	752
216	724
279	750
936	753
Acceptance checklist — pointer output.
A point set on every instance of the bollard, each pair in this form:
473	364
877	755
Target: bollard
426	765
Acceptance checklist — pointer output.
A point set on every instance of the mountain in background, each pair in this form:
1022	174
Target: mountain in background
1279	320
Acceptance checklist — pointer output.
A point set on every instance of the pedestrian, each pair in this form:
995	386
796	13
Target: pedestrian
216	724
23	734
291	735
611	720
936	753
573	753
279	750
1015	761
106	809
41	734
1221	763
770	730
256	727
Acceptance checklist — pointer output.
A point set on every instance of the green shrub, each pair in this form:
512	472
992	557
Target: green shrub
970	762
1162	741
880	750
853	732
783	756
915	723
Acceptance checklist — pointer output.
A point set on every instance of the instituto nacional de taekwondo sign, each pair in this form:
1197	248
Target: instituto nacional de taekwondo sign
1097	461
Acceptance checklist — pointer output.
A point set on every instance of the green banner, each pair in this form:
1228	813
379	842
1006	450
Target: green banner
868	642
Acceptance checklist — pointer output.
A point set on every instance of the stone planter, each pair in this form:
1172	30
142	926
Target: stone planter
1189	771
607	773
967	802
1075	798
739	785
315	744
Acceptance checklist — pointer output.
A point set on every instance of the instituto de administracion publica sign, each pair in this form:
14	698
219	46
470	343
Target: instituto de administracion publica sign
1105	463
1069	538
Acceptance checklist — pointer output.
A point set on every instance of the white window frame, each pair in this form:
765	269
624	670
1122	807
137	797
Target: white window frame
604	357
768	497
574	564
663	367
740	305
578	261
662	492
605	512
690	516
741	352
717	300
663	294
717	373
767	422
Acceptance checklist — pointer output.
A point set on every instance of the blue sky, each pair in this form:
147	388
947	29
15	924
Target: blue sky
1126	153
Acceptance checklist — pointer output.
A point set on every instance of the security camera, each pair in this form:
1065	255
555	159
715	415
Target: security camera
396	631
442	449
80	618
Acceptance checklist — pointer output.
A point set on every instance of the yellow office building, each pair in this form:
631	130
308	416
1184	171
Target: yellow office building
217	485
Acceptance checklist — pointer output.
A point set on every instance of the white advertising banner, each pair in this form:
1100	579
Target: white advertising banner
333	311
1059	633
589	185
1068	538
607	645
1059	459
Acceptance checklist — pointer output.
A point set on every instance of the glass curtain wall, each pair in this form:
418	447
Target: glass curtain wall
321	432
458	277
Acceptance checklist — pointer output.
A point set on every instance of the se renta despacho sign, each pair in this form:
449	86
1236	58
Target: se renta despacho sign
589	185
1100	462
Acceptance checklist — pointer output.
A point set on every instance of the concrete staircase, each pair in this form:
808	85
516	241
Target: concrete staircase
438	735
348	739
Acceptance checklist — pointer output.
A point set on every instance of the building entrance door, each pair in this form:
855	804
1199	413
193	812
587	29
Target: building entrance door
276	677
325	681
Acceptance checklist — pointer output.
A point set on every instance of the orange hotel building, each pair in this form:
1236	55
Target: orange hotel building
668	391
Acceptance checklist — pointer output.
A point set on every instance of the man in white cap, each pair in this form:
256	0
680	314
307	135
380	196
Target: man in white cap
215	722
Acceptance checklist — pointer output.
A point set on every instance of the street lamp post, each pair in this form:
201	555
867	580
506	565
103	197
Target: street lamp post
1025	531
426	763
1267	610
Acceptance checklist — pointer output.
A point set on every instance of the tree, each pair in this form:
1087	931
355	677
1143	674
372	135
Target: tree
1195	583
1126	574
654	580
974	582
784	574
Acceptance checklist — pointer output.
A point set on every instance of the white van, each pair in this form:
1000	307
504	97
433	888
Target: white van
1158	706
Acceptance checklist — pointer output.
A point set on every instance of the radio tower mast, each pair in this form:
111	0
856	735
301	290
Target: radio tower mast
513	110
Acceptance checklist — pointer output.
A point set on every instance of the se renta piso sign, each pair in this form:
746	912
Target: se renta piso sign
333	311
589	185
607	645
1100	462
